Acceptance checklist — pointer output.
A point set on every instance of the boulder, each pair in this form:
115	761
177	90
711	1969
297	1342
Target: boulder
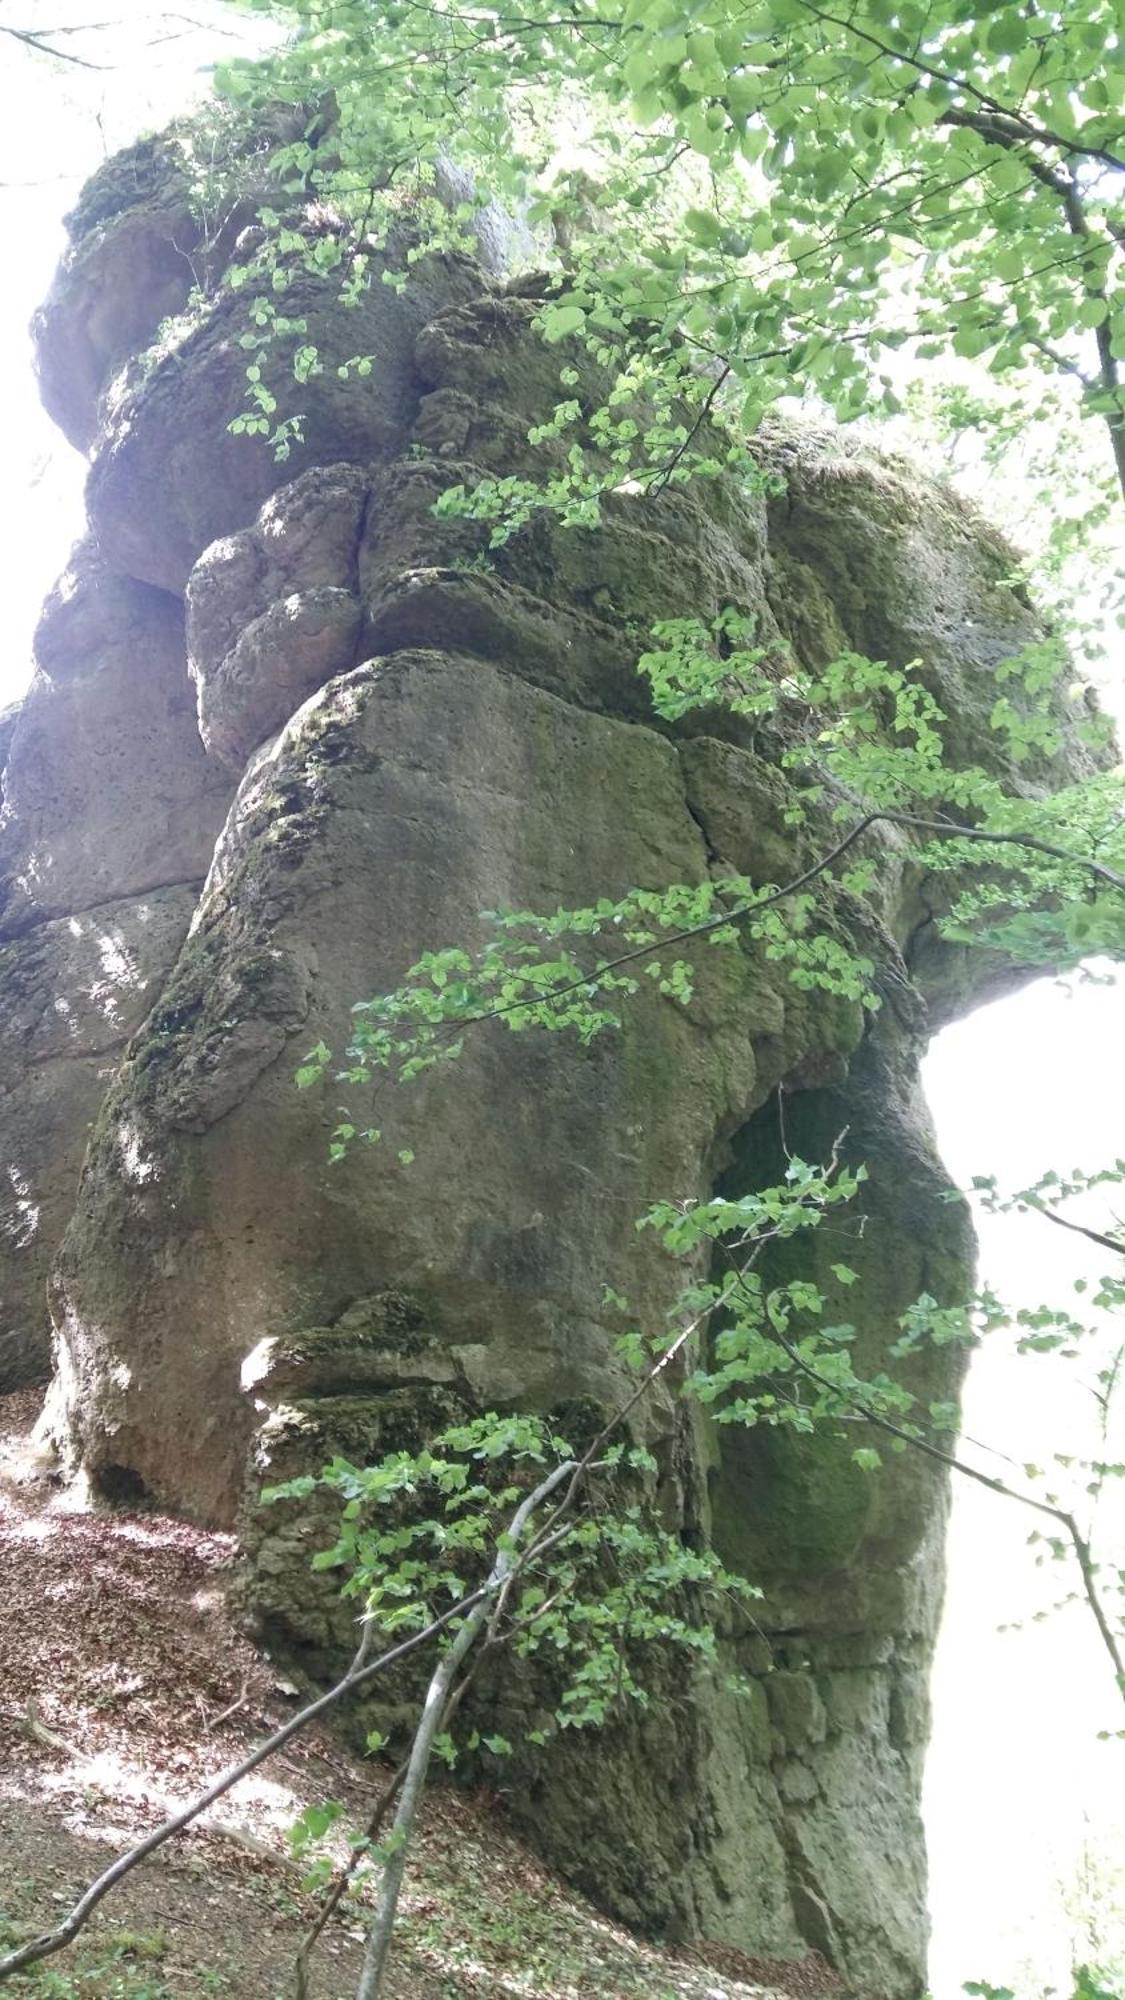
866	556
150	236
399	803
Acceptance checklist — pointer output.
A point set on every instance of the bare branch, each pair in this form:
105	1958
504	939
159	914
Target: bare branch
359	1673
35	41
1116	1244
1060	1515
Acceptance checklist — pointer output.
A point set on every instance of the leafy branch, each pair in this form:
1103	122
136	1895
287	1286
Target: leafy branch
423	1022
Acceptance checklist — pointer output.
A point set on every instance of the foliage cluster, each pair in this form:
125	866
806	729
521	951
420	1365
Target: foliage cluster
745	202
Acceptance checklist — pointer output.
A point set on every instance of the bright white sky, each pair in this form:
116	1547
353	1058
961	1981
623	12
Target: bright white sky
57	122
1019	1790
1017	1784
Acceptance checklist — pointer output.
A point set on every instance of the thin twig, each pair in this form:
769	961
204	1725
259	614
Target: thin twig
664	478
332	1899
378	1814
988	1480
231	1709
1094	1235
33	41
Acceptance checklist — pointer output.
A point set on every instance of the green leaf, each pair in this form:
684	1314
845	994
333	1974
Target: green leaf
703	224
558	322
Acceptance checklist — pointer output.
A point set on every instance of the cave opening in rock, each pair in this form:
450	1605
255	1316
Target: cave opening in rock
120	1486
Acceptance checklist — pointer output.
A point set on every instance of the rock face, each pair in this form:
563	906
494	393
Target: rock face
373	732
109	817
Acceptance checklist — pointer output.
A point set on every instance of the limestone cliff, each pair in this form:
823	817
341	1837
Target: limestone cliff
220	832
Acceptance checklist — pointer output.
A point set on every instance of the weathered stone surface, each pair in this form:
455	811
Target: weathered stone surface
107	791
407	797
108	820
156	225
274	613
231	1308
565	610
8	719
503	241
866	556
168	478
129	266
899	569
72	993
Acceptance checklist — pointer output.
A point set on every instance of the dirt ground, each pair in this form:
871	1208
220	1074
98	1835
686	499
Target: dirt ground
125	1687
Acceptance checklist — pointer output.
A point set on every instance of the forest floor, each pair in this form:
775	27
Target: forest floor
125	1686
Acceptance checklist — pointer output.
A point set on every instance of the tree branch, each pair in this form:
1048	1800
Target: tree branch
1078	1541
34	41
378	1813
344	1875
708	404
1011	133
437	1696
361	1671
1116	1244
1041	135
945	829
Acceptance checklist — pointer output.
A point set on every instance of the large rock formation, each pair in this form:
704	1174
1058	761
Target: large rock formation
395	734
109	817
